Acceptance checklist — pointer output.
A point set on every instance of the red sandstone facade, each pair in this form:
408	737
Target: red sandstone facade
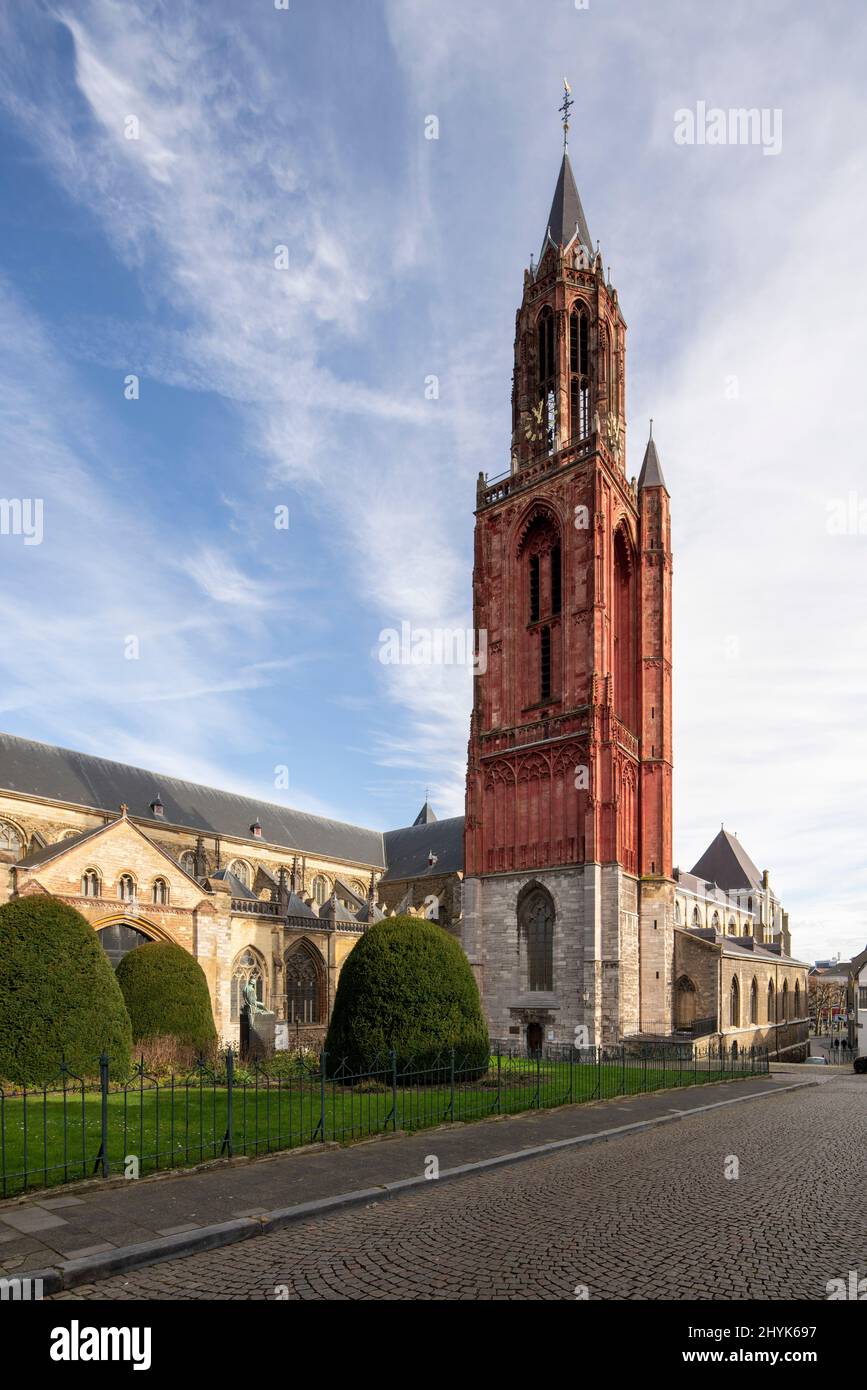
570	757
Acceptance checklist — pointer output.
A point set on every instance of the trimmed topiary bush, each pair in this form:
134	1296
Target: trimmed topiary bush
406	985
59	999
167	995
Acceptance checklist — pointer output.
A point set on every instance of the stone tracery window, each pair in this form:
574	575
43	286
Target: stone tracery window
320	889
247	967
11	844
735	1003
241	869
536	928
304	985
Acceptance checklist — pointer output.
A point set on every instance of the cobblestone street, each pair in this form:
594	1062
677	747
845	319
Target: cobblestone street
647	1216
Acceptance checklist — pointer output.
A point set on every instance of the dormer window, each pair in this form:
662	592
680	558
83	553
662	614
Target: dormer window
157	807
256	830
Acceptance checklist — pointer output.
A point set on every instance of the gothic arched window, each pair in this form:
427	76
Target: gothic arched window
11	844
547	374
90	883
785	1001
536	928
160	892
579	371
696	917
735	1003
625	631
248	966
754	1001
320	888
119	939
797	999
241	869
187	862
305	978
771	1003
126	887
714	921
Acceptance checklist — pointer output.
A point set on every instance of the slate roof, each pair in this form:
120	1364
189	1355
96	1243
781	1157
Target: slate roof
407	850
42	856
742	945
426	815
234	884
726	863
566	210
651	469
80	779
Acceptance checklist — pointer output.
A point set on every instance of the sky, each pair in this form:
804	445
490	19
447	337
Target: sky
256	345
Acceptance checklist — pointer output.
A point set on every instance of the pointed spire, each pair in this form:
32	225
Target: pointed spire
567	215
651	469
426	814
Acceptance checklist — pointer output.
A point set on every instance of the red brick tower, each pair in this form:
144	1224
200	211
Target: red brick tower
569	769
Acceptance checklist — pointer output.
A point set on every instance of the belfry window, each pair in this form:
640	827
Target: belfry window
579	372
545	664
547	381
556	584
534	588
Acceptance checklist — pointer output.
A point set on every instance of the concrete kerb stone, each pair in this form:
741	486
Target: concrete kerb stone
89	1269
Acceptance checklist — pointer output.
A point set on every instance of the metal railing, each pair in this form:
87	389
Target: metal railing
75	1127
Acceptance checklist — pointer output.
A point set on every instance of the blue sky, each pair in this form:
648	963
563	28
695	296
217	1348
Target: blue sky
741	278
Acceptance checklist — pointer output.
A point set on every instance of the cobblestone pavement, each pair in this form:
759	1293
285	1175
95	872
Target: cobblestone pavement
648	1216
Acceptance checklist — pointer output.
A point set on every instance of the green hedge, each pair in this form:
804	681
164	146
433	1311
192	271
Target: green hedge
59	999
167	995
407	986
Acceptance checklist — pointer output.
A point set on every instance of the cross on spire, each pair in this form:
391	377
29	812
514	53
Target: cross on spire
568	103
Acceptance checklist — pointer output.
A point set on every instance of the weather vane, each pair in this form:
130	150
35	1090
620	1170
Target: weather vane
568	103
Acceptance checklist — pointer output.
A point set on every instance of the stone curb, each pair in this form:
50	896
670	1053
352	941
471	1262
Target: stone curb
91	1268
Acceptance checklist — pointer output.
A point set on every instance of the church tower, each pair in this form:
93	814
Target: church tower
568	895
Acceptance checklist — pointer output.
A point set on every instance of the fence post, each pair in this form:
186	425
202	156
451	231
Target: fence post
499	1080
322	1069
599	1072
103	1089
393	1089
452	1087
230	1099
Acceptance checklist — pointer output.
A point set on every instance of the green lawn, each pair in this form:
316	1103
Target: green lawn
173	1126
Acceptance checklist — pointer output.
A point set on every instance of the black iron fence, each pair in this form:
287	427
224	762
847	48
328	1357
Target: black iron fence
77	1127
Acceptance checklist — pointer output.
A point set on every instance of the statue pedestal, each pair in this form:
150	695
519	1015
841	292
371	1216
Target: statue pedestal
257	1036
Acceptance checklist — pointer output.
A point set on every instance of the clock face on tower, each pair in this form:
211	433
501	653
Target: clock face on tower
534	427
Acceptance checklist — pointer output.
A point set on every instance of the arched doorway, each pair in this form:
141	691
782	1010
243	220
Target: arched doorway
119	938
534	1039
685	1004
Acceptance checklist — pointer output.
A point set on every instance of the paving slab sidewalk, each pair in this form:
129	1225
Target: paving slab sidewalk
92	1229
